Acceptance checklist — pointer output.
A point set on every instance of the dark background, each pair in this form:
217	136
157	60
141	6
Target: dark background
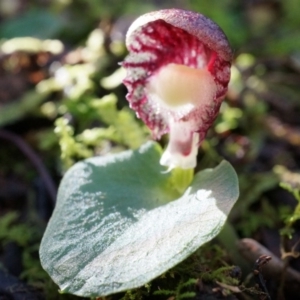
54	56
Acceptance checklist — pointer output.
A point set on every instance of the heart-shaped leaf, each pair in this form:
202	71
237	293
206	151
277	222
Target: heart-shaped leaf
119	222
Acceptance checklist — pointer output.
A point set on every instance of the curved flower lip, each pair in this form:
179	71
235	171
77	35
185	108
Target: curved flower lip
194	23
178	69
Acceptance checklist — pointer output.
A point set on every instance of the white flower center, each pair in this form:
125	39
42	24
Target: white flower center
177	85
180	89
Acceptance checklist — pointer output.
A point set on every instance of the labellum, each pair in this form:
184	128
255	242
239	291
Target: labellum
178	69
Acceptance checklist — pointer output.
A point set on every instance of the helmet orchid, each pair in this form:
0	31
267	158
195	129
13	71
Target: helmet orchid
178	70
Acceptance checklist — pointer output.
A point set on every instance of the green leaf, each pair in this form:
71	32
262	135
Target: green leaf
119	222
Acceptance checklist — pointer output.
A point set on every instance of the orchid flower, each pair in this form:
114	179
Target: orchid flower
178	69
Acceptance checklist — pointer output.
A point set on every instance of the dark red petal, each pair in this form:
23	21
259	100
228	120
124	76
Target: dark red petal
204	29
181	37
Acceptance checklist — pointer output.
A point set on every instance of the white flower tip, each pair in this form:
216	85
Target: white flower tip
176	160
168	170
174	157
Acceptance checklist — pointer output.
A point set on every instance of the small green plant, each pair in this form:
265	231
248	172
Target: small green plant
123	219
12	231
290	181
27	237
122	129
179	293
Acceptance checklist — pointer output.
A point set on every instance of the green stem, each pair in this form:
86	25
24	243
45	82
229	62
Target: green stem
228	238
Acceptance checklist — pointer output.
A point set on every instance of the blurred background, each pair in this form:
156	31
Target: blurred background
61	100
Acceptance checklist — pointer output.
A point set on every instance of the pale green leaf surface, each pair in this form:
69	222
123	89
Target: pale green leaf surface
115	227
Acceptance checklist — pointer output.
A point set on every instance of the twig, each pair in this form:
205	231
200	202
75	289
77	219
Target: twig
34	159
286	256
251	249
232	288
261	261
293	253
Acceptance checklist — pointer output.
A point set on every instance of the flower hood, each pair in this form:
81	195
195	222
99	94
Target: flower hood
178	70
